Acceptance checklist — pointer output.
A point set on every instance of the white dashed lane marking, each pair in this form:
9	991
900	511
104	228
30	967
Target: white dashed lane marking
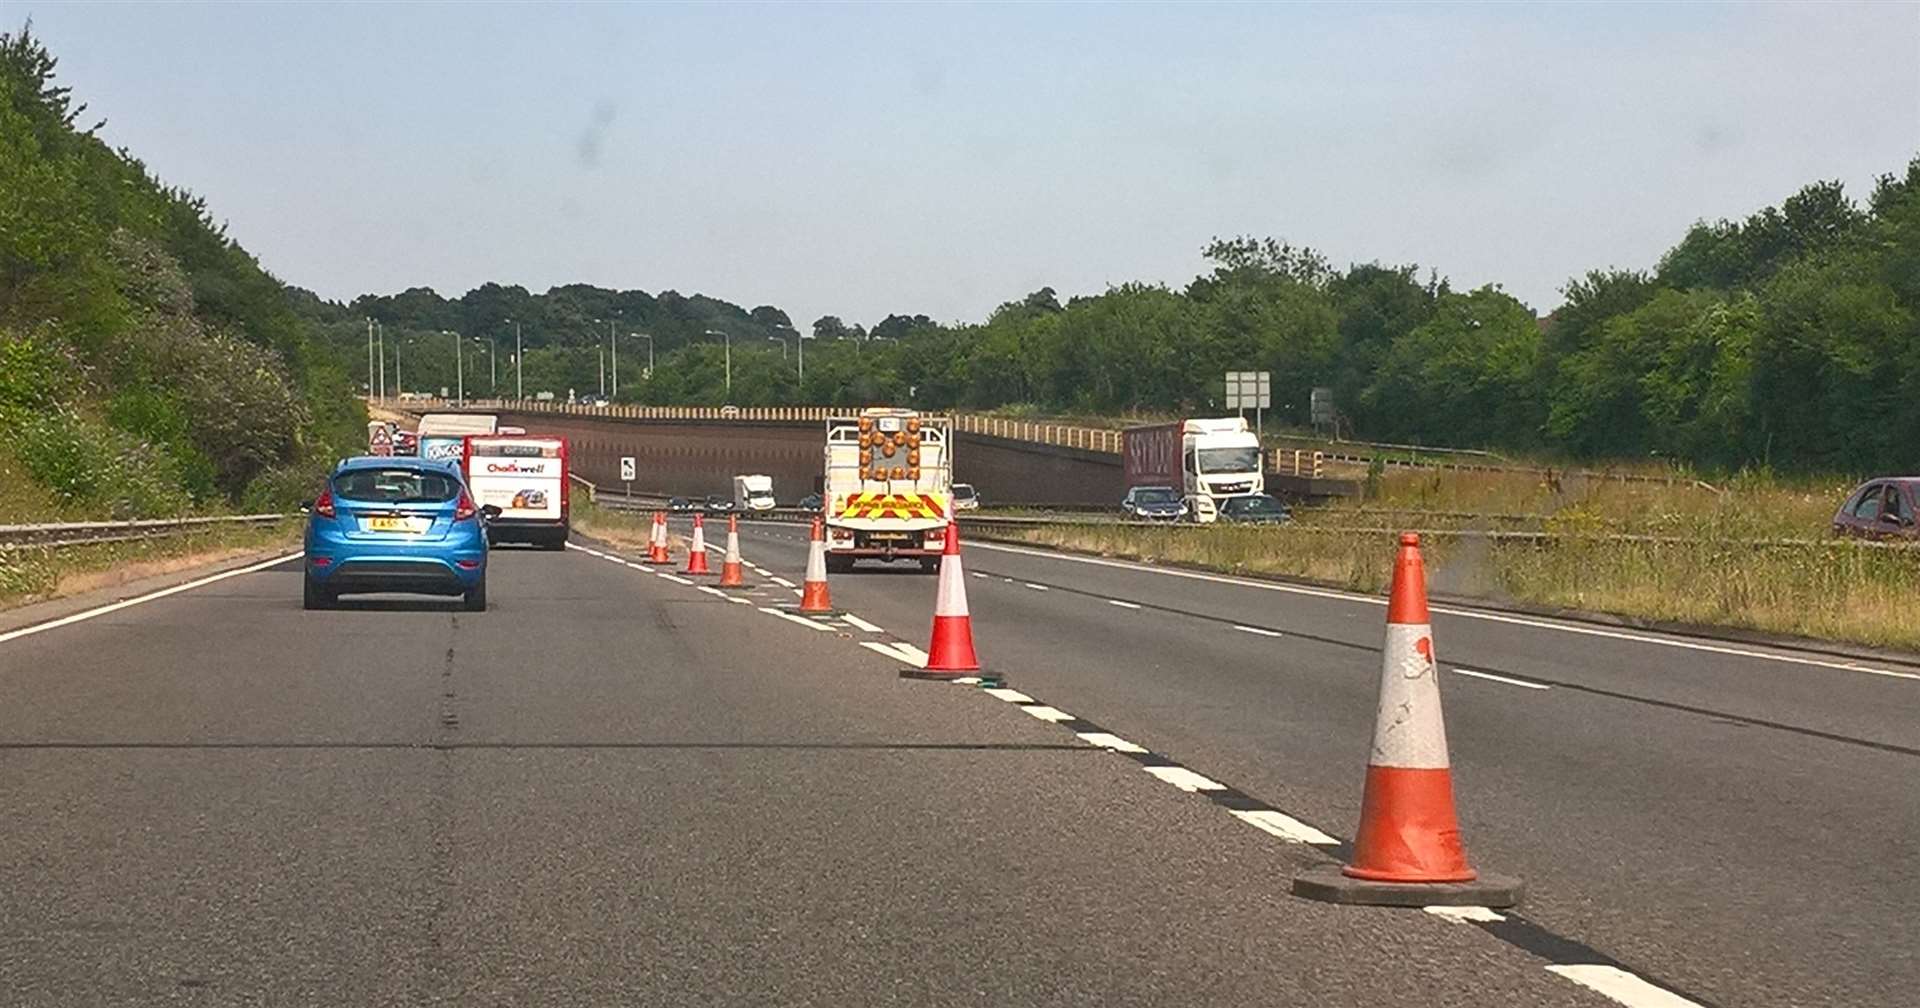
1262	631
1282	825
1467	914
1009	695
1046	713
1123	603
1621	986
791	618
1036	587
1106	740
1502	679
862	624
1185	779
672	578
782	582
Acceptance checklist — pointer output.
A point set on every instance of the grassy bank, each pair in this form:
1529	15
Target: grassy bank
1830	590
628	529
34	575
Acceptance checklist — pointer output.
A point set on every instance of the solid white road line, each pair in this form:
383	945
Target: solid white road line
1108	741
1009	695
1123	604
802	620
148	597
1476	614
1185	779
862	624
1466	914
1262	631
1621	986
1502	679
1283	826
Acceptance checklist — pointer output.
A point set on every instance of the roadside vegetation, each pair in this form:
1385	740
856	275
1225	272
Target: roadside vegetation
148	365
627	529
1751	553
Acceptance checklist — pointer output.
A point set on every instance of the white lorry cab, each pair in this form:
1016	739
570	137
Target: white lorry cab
888	491
753	493
1205	460
526	477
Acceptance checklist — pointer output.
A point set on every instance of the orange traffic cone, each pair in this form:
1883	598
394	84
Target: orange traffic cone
657	544
950	652
1408	851
814	599
730	567
697	549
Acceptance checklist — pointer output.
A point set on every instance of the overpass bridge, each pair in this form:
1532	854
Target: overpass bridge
696	450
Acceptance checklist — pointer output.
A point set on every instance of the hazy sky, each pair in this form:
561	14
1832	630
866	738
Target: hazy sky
861	160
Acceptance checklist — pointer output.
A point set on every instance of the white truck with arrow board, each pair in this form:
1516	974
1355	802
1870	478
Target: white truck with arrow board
888	492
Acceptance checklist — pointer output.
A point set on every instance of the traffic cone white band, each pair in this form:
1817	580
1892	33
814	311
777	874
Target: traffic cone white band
950	599
1408	729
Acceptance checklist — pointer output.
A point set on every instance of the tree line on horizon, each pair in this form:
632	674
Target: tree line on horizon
1789	339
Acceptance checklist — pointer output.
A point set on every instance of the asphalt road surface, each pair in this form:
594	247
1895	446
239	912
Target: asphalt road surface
617	788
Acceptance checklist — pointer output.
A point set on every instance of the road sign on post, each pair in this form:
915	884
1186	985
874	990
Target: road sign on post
627	472
1250	390
1320	407
379	438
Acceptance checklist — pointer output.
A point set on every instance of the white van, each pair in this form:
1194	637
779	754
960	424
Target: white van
753	493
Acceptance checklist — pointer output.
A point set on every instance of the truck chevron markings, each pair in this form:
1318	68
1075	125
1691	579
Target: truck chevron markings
872	504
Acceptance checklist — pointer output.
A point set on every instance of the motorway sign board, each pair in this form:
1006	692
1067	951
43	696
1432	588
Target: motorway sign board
1249	390
1320	407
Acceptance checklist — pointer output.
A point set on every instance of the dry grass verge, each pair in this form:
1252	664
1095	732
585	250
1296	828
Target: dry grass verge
1828	590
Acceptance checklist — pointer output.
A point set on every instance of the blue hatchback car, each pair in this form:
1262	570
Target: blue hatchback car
386	524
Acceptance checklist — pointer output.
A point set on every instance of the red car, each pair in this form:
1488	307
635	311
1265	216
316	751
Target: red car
1881	509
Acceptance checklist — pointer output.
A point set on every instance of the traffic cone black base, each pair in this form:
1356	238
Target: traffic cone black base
986	678
1329	884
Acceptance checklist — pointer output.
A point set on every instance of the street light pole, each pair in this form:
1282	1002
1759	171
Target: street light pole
370	389
380	345
783	345
517	393
729	338
459	369
603	371
649	340
493	372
